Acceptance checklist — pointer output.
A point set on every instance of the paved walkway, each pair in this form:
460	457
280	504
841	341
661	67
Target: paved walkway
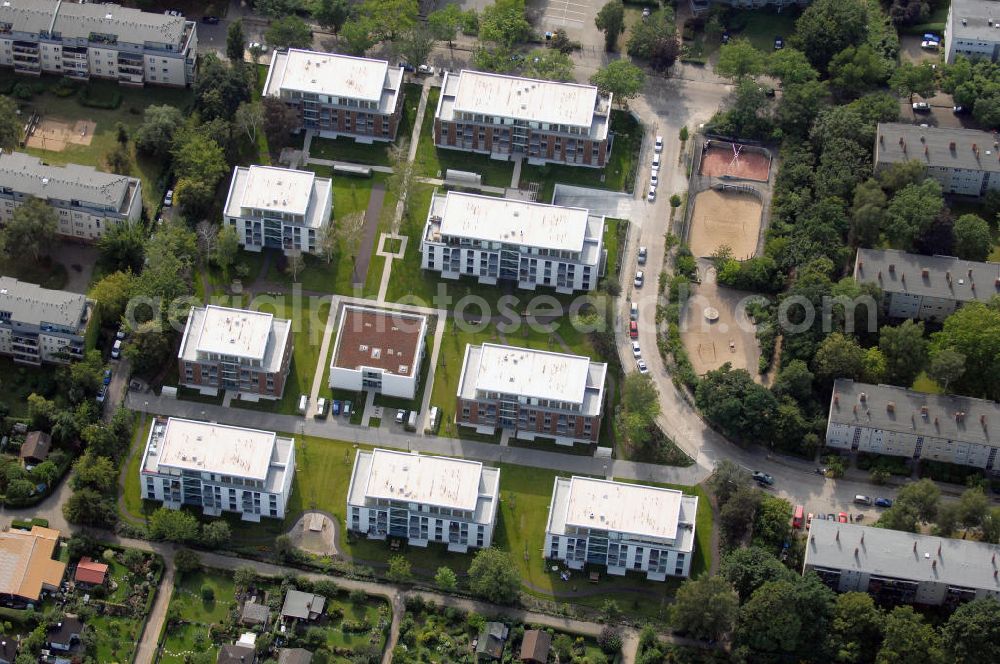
515	178
372	215
340	429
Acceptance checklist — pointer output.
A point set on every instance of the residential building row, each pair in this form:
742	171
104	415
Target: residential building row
217	468
509	117
97	40
87	201
338	95
40	324
922	287
885	419
963	161
898	567
972	29
531	393
502	239
279	208
248	352
620	526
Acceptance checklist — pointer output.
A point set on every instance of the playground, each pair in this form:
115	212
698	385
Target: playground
734	160
727	216
56	133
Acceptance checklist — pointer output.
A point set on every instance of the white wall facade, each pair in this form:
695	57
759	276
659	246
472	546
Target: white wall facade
893	443
373	378
533	270
911	305
956	44
423	524
624	555
81	223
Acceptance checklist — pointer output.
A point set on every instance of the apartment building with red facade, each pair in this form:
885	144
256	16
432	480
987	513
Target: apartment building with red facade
509	117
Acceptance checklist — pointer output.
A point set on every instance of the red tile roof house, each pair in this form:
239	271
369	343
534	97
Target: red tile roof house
90	572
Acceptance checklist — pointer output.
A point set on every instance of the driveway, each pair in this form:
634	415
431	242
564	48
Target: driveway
598	201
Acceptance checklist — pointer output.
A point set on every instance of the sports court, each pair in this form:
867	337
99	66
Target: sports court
725	217
733	160
56	133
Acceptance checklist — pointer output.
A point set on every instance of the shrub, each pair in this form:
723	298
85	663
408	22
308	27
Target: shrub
610	640
208	593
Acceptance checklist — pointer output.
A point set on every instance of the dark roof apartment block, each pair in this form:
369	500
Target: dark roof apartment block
944	277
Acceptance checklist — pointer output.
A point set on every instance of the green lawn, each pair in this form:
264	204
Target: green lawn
116	637
344	148
182	640
308	325
925	383
188	600
761	26
129	113
411	102
432	162
45	272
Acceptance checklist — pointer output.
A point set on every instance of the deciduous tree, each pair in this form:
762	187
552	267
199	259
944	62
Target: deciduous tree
332	14
946	365
749	568
972	633
973	238
620	78
739	58
504	23
974	331
705	607
236	41
494	577
30	232
111	294
548	64
10	124
160	124
905	350
909	639
827	27
611	21
289	32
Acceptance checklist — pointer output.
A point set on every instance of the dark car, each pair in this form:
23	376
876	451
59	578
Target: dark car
211	20
762	478
883	502
107	376
779	43
725	37
961	110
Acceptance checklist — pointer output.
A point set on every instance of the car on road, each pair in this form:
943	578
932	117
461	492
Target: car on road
656	161
636	351
425	69
842	517
633	311
400	416
921	107
831	517
809	520
862	500
651	196
654	177
639	278
779	43
116	350
658	145
211	20
168	200
762	478
883	502
641	366
102	394
961	110
633	330
107	376
643	253
929	45
257	46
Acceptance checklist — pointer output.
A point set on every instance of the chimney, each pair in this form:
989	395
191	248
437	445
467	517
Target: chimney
960	416
982	420
925	273
923	412
836	399
880	276
933	564
922	139
838	534
861	264
891	407
892	268
939	549
914	546
881	139
951	146
863	397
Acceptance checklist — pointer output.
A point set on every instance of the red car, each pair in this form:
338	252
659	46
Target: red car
842	517
633	330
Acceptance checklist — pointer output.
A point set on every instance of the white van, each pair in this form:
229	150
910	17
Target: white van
116	350
320	408
303	404
633	311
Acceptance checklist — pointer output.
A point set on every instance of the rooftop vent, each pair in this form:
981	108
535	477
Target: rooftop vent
891	407
892	268
925	273
923	412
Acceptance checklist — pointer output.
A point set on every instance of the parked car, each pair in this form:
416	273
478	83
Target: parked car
347	409
929	45
656	161
211	20
762	478
654	177
842	517
779	43
726	37
168	200
633	330
636	351
831	517
103	394
120	334
961	110
809	520
883	502
641	366
107	376
658	145
862	500
257	46
633	311
921	106
425	69
651	196
320	408
639	278
116	350
930	36
645	12
643	253
400	416
336	407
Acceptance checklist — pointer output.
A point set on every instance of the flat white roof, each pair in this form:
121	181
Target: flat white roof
331	74
526	98
236	332
278	189
532	373
216	448
635	509
512	221
429	480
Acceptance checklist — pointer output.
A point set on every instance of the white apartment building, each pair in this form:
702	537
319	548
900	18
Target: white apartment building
247	352
40	324
510	117
532	393
100	40
493	239
927	288
217	468
884	419
87	201
626	527
898	567
423	499
973	30
279	208
379	350
338	95
963	161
